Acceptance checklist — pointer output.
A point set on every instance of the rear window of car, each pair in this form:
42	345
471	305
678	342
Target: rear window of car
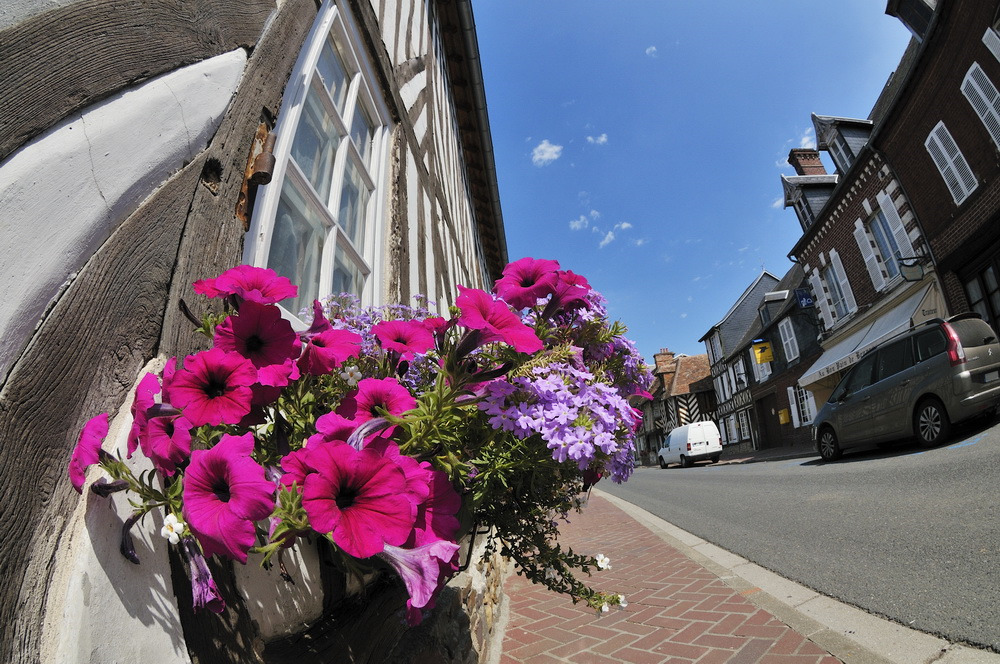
974	332
930	343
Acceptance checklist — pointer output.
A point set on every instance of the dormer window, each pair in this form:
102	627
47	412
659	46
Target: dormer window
841	153
914	14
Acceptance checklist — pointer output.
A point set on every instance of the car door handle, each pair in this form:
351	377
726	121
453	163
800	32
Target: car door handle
867	398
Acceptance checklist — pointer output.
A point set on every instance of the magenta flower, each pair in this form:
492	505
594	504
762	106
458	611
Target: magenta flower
261	335
88	450
571	291
527	280
253	284
359	497
437	516
213	387
331	427
296	467
406	337
320	323
327	350
169	439
495	321
145	398
424	570
381	394
225	491
204	593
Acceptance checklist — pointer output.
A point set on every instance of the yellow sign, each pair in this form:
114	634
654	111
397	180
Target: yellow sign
762	352
784	416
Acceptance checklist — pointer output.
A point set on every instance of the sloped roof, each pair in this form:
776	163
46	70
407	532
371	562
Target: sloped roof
690	369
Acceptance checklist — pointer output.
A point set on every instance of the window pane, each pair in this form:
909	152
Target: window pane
315	145
886	243
347	278
297	245
353	204
333	74
361	133
990	278
973	290
894	358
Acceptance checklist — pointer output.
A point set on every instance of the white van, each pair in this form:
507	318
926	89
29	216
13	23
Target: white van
692	442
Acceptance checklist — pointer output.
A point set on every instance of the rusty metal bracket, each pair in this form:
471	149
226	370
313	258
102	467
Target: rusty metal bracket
258	171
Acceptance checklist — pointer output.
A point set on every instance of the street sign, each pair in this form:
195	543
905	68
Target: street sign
805	298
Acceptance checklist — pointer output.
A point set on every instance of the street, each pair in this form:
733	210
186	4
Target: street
908	534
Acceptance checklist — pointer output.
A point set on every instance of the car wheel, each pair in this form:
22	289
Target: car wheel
829	447
663	464
931	423
685	462
715	459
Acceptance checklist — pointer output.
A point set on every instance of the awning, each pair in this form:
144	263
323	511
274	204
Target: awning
847	352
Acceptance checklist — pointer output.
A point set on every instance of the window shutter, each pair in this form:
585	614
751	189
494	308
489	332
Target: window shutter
868	253
896	224
992	41
951	163
845	284
820	295
985	99
793	405
788	340
811	403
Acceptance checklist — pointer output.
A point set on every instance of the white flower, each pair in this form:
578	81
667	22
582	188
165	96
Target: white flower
352	375
622	603
550	573
172	528
605	608
603	562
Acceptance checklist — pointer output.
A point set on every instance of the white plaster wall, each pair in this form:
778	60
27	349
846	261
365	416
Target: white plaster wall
101	608
64	193
281	608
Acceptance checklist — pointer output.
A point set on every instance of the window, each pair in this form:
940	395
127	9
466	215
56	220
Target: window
714	348
982	94
801	206
802	405
832	291
983	293
765	315
930	343
841	153
319	221
743	418
863	374
895	358
992	41
950	162
741	374
788	340
835	292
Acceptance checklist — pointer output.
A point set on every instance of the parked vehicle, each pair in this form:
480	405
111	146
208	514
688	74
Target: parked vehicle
691	442
916	384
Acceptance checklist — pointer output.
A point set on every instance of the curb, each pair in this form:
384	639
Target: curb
846	632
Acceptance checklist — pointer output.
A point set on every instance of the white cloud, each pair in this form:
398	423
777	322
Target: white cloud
808	139
778	203
599	140
651	51
639	242
608	239
578	224
545	153
684	315
594	214
623	226
742	249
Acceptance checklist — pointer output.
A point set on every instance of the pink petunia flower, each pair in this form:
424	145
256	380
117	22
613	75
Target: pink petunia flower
437	516
320	322
424	570
225	491
260	334
377	394
526	280
331	427
495	320
213	387
571	291
169	442
359	497
253	284
88	450
406	337
204	593
145	398
327	350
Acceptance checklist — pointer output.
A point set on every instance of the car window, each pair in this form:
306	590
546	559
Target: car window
894	358
862	375
974	332
930	343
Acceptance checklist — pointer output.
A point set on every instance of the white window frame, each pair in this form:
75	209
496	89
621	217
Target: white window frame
788	341
740	372
984	98
335	22
743	422
802	405
951	163
840	152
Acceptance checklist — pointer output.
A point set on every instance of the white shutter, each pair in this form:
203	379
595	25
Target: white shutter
951	163
845	283
788	340
820	296
868	253
896	224
985	99
992	41
811	401
793	405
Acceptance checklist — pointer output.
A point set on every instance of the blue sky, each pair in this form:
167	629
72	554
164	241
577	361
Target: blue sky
641	143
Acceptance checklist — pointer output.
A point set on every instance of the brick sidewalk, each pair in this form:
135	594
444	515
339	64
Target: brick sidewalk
678	611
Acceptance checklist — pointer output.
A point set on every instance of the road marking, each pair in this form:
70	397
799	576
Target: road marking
965	443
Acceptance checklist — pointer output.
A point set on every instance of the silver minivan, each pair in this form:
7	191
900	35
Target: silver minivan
915	384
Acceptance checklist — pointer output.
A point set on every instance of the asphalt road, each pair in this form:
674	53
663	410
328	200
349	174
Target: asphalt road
907	534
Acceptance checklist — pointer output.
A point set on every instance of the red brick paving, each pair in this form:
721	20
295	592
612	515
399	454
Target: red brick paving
678	612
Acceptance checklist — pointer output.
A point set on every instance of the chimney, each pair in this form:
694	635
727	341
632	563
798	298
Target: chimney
664	361
806	161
